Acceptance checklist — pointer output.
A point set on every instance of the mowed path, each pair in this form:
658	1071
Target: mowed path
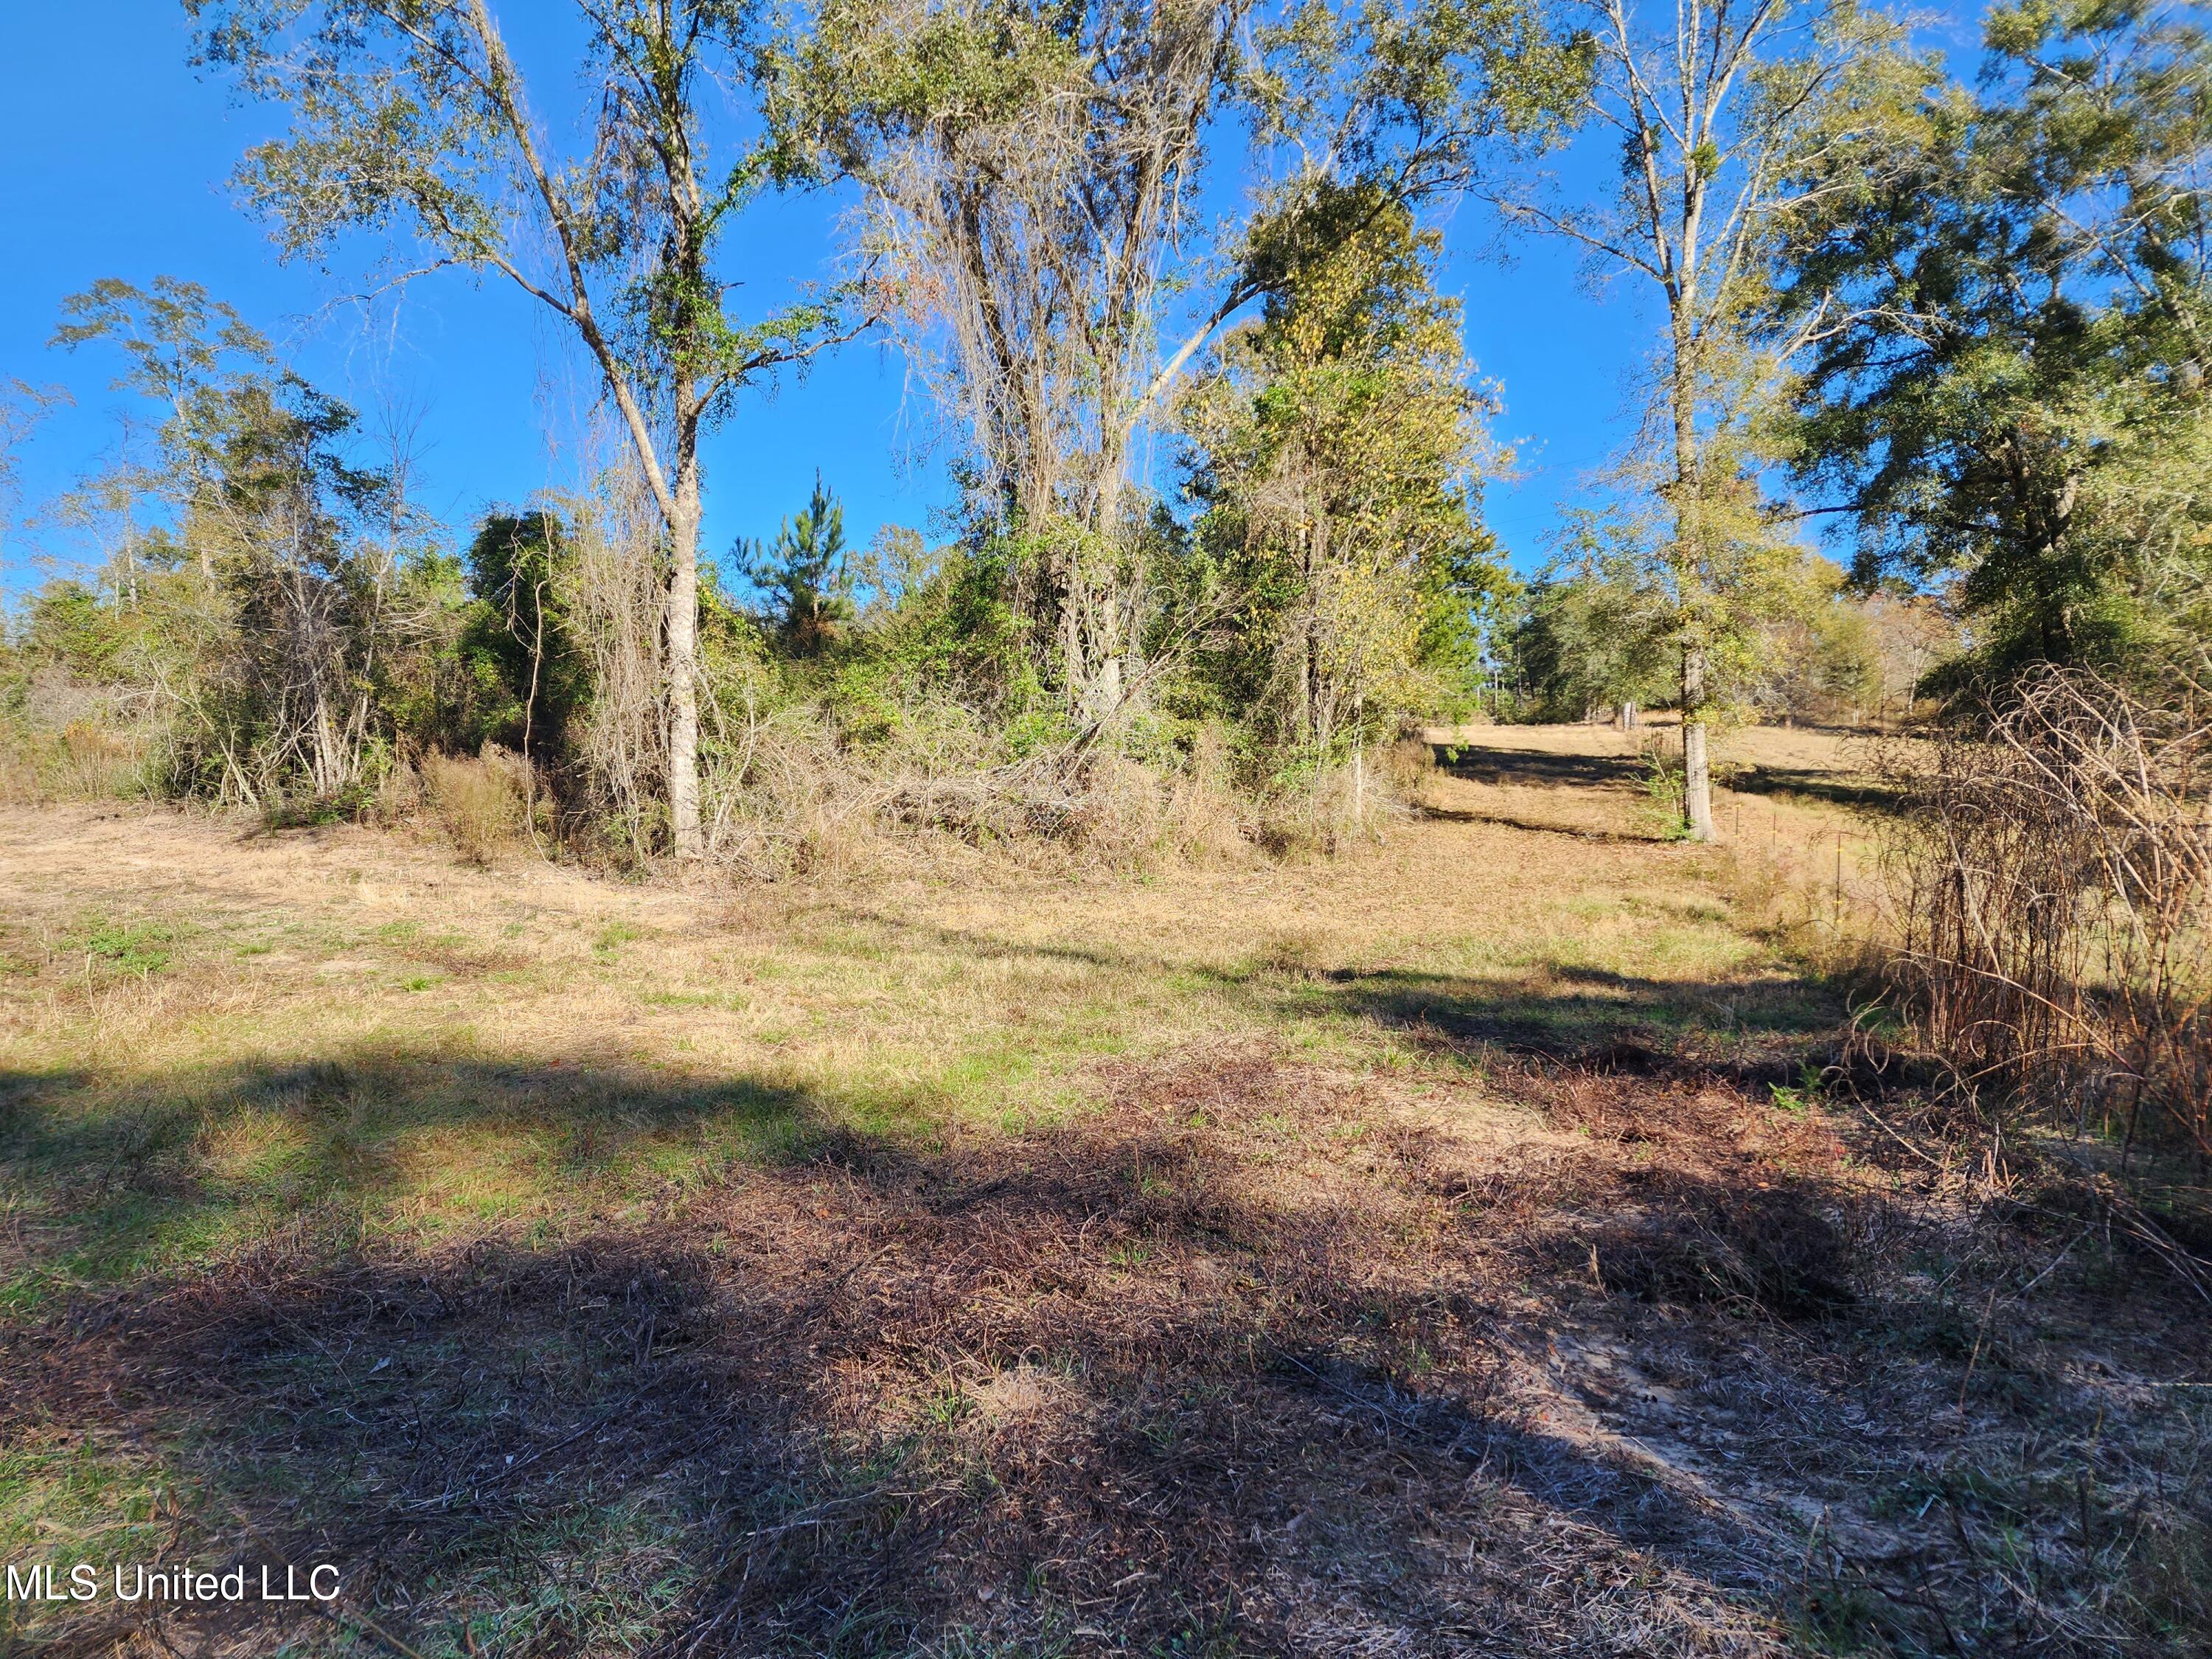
1411	1253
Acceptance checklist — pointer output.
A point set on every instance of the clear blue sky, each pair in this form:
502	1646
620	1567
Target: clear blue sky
116	161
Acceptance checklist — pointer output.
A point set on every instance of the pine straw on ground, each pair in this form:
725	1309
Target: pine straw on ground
1260	1358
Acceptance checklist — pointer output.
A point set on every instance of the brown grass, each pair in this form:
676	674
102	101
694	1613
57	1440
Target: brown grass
1444	1249
483	803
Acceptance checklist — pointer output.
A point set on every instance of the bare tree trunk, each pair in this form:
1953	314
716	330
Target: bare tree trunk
1689	530
1697	770
682	636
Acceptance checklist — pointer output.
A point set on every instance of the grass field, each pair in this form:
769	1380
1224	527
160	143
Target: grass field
1457	1246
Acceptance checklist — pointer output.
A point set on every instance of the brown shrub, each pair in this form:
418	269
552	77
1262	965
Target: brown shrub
2054	873
483	803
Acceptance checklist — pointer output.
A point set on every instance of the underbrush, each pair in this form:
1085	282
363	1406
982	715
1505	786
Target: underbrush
2025	933
789	796
61	740
2052	875
803	786
487	805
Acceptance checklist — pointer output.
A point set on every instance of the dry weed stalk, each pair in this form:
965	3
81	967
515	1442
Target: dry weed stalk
2055	869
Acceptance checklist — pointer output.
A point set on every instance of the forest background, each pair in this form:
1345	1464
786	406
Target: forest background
1167	288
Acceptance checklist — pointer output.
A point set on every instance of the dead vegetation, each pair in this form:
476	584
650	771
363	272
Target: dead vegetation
484	804
2054	886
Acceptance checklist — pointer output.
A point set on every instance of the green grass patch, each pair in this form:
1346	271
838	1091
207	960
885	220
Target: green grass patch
144	948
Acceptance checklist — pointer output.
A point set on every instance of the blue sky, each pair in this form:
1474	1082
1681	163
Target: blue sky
117	163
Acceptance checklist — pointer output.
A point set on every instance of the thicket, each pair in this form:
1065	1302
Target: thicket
2053	876
276	628
1966	320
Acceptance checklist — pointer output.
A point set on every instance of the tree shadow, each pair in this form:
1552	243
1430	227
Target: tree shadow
1612	1022
1127	1383
129	1173
1852	790
1480	764
1577	832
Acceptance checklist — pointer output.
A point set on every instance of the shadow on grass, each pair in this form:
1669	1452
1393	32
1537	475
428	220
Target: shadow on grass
1578	832
1611	1022
1854	790
1695	1027
1130	1385
1628	772
139	1173
1481	764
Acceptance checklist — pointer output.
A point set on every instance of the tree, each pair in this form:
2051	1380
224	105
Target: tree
1822	659
1915	634
269	577
803	571
193	357
107	508
299	683
1033	172
1594	630
2015	395
1735	119
412	116
1336	450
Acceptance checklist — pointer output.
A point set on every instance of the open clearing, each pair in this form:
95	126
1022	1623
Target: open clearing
1437	1250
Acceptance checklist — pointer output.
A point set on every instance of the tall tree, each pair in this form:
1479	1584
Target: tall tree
413	116
1338	446
1033	170
1735	118
2015	395
268	642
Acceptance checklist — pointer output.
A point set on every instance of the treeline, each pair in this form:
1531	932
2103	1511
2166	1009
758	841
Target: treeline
279	628
1588	641
1221	538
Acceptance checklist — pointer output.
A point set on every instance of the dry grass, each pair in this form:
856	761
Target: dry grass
483	804
2055	916
1437	1250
